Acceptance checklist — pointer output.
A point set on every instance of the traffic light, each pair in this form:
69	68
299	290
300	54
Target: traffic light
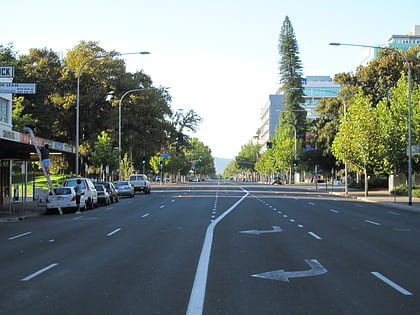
161	164
179	137
144	160
269	145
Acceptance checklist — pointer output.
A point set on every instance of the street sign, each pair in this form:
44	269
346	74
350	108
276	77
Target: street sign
18	88
415	149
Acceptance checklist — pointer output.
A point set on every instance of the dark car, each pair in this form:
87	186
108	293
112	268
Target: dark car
103	195
112	191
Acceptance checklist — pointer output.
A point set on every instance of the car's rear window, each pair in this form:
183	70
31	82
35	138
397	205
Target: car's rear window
62	191
73	183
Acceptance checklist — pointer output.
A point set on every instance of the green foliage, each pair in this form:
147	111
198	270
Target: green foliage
290	70
247	157
127	167
359	142
402	190
104	154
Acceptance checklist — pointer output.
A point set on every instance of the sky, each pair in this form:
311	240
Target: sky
219	57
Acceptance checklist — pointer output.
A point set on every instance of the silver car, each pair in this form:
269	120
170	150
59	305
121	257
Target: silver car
124	188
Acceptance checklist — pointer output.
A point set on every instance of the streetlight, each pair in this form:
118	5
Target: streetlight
119	121
409	150
78	96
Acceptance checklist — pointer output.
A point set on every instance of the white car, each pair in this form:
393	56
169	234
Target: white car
140	183
65	198
88	188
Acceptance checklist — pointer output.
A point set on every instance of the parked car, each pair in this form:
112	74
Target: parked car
65	198
124	188
140	183
88	188
112	191
103	195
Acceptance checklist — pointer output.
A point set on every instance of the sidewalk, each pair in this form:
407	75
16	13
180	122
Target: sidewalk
381	197
21	210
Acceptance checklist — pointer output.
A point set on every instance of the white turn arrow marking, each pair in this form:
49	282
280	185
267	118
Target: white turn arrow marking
281	275
275	229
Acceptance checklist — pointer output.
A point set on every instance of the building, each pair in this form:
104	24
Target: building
16	146
269	119
314	89
404	42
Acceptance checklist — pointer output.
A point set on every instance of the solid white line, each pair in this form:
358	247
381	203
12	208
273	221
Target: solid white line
335	211
113	232
391	283
394	213
372	222
20	235
314	235
38	272
198	292
145	215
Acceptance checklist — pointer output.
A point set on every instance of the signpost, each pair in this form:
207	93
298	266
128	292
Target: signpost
18	88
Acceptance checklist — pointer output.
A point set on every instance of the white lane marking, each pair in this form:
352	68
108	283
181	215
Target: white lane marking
401	229
162	206
372	222
292	220
285	215
311	203
391	283
394	213
145	215
173	200
19	235
335	211
314	235
130	202
35	274
113	232
300	225
198	292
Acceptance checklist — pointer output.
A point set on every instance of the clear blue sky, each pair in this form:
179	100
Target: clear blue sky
219	57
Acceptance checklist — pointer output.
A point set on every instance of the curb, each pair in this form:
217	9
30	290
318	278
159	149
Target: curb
18	218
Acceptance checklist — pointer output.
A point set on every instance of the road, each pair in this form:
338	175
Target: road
215	248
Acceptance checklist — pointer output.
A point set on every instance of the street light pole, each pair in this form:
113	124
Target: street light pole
409	150
78	97
119	122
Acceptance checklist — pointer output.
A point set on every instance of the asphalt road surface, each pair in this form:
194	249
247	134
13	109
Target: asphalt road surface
215	248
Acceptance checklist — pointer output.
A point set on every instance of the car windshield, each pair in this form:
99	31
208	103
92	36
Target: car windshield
121	184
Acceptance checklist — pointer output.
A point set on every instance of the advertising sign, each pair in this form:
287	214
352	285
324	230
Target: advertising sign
18	88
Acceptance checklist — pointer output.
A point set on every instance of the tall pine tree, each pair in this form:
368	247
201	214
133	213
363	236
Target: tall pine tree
290	70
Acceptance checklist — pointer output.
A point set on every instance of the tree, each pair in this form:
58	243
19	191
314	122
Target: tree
359	141
247	157
127	167
290	70
104	154
392	115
